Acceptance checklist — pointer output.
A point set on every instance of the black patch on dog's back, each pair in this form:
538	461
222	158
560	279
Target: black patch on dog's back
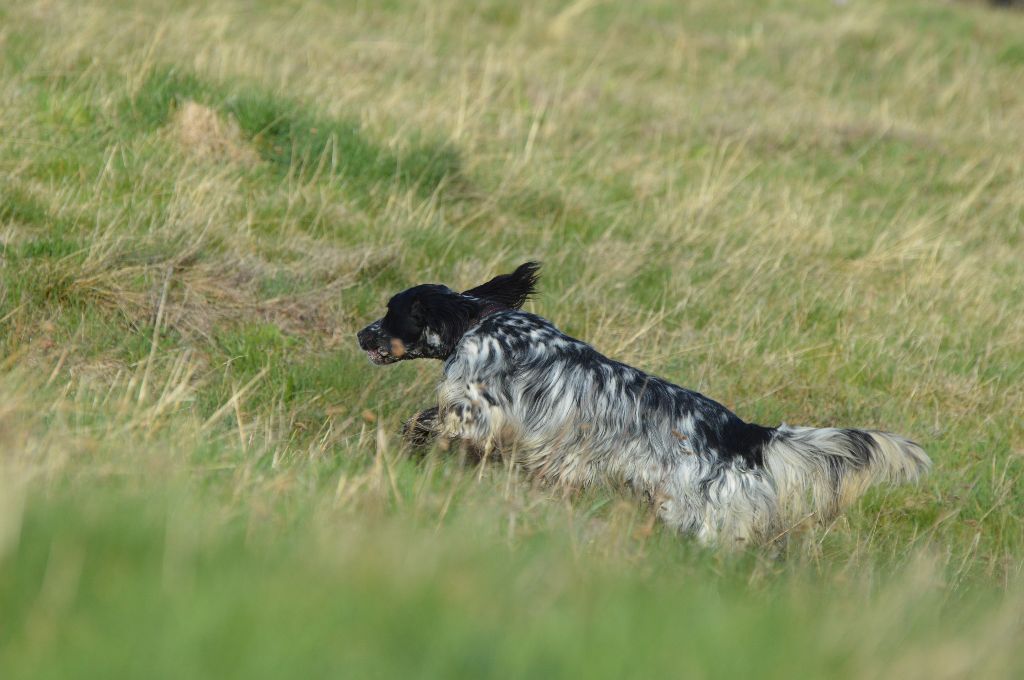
738	439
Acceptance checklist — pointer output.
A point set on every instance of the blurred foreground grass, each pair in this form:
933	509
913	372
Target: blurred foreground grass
811	212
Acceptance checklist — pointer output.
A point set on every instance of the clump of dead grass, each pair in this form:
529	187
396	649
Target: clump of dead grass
198	298
204	133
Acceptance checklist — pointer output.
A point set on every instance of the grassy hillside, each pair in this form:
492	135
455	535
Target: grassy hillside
812	212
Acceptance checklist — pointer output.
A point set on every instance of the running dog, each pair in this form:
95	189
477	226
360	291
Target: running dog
517	386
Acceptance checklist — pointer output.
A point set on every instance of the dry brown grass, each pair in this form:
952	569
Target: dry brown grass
205	133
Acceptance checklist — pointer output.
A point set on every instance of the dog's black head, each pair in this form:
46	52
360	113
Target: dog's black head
427	321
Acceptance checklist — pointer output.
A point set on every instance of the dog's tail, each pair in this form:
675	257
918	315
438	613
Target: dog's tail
823	470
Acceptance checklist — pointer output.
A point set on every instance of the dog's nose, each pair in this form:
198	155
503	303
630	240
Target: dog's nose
365	337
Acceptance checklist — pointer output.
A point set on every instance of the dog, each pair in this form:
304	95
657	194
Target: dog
516	386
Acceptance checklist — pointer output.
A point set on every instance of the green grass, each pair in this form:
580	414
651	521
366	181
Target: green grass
291	138
812	212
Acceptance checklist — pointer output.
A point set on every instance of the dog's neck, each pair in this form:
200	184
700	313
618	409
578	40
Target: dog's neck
486	310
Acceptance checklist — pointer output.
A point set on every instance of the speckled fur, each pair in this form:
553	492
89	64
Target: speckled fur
516	385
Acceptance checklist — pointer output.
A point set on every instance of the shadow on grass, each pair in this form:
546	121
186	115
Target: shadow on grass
293	138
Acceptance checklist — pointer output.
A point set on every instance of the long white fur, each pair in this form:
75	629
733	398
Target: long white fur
517	385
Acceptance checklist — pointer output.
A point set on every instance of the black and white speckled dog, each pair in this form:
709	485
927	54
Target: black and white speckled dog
516	385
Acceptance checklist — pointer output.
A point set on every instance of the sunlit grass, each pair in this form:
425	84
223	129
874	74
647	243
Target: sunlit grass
811	212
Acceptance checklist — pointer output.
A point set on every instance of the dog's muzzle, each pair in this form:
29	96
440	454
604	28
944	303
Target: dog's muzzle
379	347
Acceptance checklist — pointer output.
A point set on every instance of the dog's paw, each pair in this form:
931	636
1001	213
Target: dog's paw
421	430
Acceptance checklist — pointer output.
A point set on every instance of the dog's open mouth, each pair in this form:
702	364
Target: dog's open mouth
379	356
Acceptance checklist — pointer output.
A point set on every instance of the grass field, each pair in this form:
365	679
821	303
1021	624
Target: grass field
810	211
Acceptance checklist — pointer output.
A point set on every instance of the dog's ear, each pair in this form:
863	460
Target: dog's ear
510	290
418	313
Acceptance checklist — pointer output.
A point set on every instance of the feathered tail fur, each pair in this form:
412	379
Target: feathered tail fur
823	470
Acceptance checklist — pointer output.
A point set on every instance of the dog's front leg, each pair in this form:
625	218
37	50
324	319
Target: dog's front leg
421	430
460	422
468	413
